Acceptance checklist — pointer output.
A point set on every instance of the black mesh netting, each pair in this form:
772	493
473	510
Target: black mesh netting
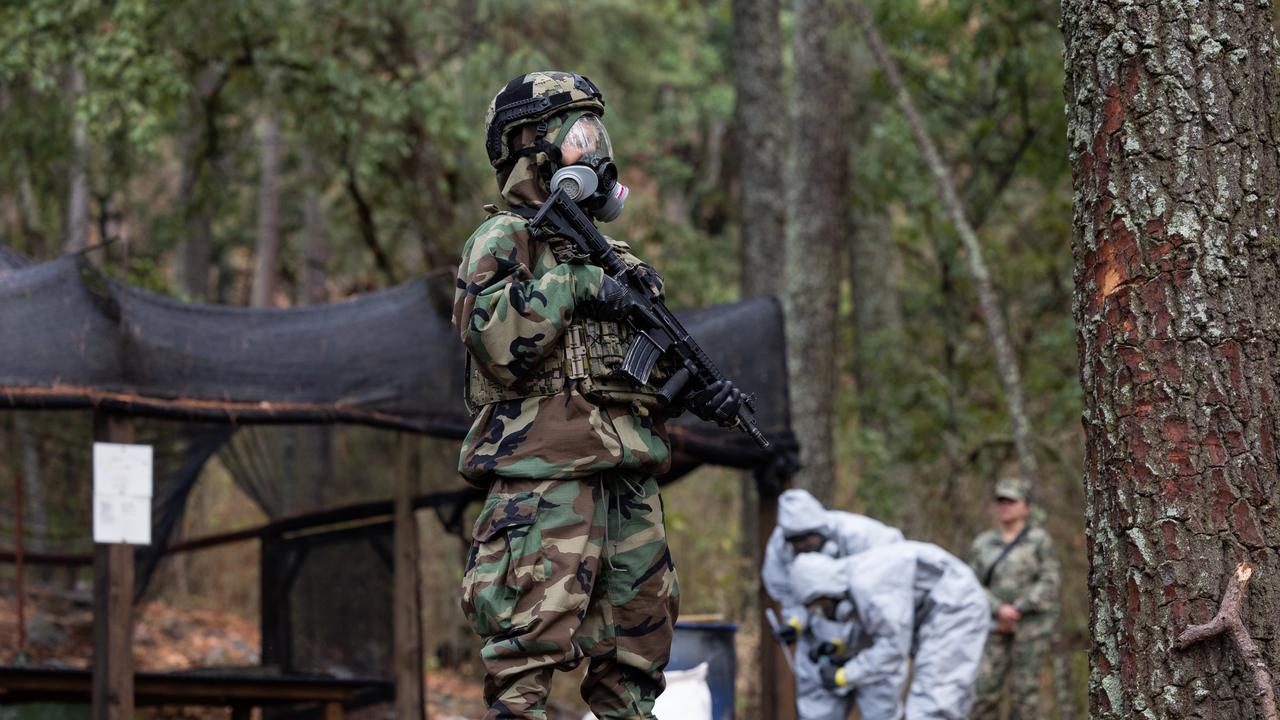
205	380
74	338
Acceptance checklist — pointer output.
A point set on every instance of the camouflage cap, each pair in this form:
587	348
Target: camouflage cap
531	98
1011	488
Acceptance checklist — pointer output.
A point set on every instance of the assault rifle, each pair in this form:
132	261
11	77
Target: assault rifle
658	331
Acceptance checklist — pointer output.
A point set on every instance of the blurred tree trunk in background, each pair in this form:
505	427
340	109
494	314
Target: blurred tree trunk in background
760	140
1172	126
315	233
760	131
817	184
315	276
266	251
27	205
76	235
874	277
200	154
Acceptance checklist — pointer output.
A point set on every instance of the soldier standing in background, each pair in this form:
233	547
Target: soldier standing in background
569	558
1016	563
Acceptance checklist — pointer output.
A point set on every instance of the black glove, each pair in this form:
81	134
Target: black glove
824	650
827	671
718	403
613	302
788	634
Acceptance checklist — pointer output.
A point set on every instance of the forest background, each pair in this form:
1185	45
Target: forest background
288	153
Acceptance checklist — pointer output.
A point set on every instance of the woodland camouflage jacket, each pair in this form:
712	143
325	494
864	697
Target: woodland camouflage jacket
1027	577
512	304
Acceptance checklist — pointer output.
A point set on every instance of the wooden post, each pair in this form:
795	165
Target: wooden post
113	605
19	564
777	683
406	610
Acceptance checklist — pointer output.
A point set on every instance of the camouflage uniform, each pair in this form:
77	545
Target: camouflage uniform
1026	578
569	557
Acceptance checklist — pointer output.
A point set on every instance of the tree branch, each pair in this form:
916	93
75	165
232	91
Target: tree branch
1229	622
997	332
368	228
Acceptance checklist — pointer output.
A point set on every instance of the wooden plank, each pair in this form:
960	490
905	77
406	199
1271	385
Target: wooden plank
113	605
777	683
32	685
333	711
406	609
19	537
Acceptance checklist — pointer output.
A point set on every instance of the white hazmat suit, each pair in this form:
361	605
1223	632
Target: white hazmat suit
846	534
911	599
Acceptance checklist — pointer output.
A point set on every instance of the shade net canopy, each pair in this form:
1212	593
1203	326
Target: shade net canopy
198	375
76	338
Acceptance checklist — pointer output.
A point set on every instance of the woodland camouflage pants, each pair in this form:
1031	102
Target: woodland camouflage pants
565	569
1020	659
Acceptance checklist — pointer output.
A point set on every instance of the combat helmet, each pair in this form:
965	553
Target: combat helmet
534	98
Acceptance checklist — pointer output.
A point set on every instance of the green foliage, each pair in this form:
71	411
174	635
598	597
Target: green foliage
381	104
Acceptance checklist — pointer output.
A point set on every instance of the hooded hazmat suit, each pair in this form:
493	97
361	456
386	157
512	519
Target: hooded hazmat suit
846	534
911	599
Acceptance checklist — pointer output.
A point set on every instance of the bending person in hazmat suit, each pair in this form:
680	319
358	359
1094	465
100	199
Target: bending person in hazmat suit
569	558
910	599
805	526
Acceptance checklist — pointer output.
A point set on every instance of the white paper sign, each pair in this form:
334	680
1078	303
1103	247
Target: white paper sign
121	469
122	519
122	487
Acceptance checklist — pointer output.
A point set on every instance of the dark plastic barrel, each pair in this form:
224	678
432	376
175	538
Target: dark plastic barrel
712	643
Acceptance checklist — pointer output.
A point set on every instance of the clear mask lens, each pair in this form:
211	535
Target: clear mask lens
587	142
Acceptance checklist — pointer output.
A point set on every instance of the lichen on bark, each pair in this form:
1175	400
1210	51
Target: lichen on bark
1172	132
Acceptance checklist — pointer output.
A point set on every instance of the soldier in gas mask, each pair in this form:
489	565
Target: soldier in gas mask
569	558
805	526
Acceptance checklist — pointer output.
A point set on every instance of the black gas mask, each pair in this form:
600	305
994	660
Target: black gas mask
587	173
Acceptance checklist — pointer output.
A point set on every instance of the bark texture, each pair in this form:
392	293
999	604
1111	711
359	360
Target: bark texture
817	177
1171	123
761	131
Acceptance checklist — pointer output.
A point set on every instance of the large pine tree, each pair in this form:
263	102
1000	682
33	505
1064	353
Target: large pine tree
1172	128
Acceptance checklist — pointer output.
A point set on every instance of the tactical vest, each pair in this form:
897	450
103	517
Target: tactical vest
589	354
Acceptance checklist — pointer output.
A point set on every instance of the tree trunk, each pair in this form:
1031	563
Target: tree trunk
267	247
760	130
199	153
873	264
817	181
316	231
77	230
759	138
1172	126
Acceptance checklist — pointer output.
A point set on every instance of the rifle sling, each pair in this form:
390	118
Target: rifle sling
986	578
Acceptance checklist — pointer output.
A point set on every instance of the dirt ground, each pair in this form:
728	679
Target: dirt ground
167	638
60	635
